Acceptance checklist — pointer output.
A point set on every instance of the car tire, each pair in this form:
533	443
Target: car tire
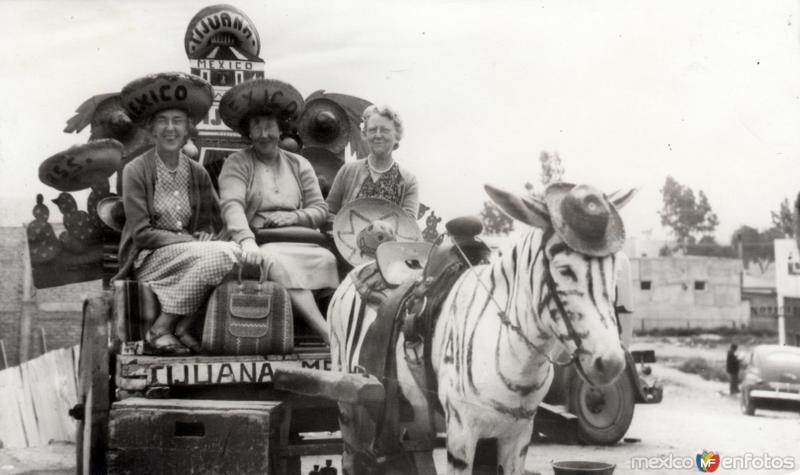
747	404
604	412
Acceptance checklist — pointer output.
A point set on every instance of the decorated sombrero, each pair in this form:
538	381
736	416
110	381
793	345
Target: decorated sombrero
364	224
156	92
585	219
324	123
81	166
259	96
325	163
111	212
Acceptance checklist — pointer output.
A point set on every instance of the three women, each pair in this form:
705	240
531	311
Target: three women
175	234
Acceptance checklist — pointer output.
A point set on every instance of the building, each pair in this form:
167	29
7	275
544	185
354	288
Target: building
35	320
688	292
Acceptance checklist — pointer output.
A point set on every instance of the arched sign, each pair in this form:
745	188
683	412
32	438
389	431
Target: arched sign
216	19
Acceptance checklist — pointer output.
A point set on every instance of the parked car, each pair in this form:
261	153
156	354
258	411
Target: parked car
772	379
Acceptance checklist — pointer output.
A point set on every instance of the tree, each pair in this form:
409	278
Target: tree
552	168
782	220
494	220
686	215
754	245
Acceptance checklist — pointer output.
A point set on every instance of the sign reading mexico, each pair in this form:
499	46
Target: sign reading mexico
215	21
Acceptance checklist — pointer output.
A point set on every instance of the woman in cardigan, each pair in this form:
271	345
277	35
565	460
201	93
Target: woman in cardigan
263	186
172	211
378	175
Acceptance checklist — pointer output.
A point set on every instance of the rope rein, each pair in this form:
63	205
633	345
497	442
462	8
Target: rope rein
502	313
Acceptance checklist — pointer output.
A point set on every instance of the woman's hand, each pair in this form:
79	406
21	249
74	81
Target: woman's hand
203	236
279	219
250	253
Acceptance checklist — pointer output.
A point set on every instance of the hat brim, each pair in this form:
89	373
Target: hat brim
257	97
81	166
325	163
144	97
612	240
111	212
360	213
311	135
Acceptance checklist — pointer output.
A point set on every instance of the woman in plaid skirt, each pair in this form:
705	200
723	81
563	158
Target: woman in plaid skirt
171	235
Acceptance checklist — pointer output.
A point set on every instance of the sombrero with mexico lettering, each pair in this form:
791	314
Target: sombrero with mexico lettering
364	224
81	166
156	92
585	219
324	124
259	97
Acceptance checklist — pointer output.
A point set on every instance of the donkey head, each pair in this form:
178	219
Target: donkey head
573	298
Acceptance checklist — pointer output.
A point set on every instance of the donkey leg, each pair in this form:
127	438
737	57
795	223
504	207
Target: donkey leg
512	449
461	442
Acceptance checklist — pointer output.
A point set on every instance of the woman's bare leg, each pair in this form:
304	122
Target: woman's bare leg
303	302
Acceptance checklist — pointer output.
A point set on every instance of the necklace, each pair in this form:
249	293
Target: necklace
375	170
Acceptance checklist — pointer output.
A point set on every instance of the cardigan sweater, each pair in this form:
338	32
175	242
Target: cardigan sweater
139	180
241	192
351	177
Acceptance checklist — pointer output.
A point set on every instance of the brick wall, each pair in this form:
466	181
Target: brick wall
56	311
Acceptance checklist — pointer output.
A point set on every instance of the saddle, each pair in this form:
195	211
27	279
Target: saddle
412	309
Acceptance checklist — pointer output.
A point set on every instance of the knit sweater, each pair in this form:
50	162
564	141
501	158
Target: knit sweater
240	187
351	177
139	180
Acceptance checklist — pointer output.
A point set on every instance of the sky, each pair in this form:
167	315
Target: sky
627	92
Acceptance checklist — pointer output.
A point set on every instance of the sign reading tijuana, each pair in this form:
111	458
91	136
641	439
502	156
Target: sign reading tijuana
220	20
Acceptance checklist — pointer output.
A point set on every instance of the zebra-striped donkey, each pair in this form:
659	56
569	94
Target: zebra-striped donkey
504	324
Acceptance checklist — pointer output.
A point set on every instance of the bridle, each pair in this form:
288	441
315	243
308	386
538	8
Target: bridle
502	314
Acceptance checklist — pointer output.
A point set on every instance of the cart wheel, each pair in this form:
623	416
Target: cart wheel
604	412
747	404
93	373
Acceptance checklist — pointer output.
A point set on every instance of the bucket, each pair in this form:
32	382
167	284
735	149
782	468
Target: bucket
574	467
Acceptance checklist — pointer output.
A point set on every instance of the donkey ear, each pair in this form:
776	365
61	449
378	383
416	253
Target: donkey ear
530	211
622	197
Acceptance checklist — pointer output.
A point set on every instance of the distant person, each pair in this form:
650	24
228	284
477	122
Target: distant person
378	175
732	366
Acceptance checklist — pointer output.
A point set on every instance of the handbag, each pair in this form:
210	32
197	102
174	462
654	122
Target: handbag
248	317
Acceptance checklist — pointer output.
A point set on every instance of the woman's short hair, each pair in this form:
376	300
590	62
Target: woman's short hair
386	112
284	125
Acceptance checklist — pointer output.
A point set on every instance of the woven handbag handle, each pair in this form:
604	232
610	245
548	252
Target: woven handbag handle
261	276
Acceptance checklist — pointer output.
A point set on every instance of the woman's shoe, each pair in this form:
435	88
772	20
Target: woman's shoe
164	344
190	342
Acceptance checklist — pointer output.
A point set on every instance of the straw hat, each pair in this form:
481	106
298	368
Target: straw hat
585	219
156	92
363	224
324	123
259	96
81	166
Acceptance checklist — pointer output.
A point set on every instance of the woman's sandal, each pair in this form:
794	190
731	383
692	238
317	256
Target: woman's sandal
190	342
164	344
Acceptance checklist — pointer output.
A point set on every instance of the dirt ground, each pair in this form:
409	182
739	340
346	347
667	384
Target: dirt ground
695	415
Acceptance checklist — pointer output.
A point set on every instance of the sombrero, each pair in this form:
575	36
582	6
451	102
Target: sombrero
585	219
324	124
386	221
156	92
111	212
325	163
80	166
259	96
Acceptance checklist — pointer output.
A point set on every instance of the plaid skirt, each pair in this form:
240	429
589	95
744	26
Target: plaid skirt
183	275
